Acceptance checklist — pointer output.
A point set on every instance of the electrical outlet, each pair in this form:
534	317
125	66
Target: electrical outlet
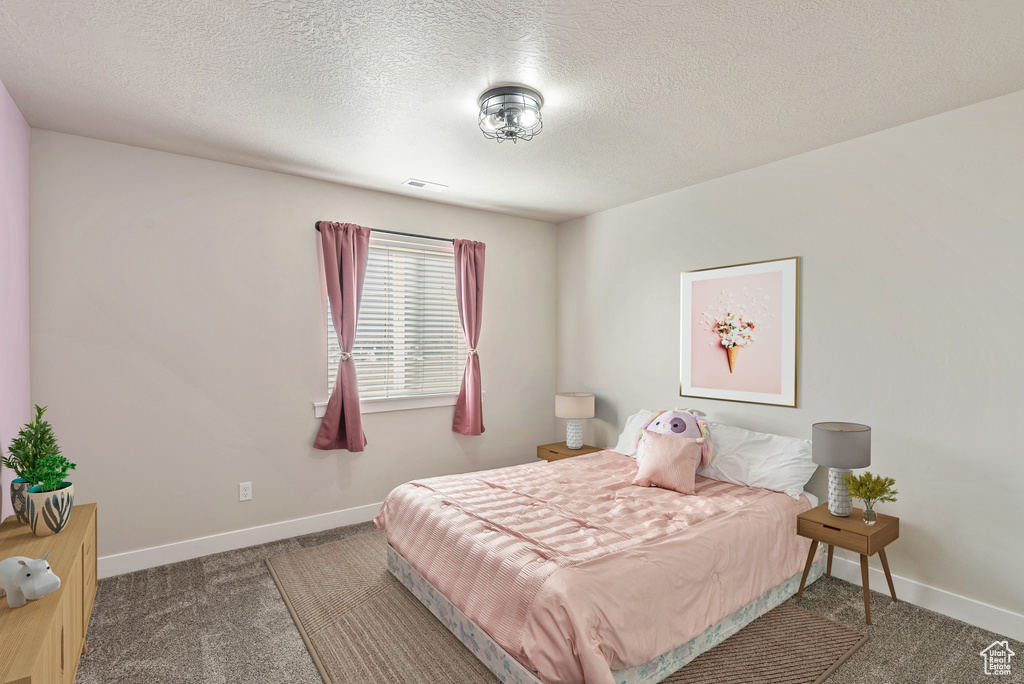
245	491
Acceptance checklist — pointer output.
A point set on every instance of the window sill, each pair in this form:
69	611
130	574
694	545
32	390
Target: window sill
396	404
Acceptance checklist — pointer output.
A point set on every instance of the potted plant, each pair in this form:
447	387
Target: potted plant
871	489
49	502
33	440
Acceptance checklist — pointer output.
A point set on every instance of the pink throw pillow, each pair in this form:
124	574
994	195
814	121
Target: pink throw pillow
670	461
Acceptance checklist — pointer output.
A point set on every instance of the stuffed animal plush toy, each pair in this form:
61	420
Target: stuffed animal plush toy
26	578
684	424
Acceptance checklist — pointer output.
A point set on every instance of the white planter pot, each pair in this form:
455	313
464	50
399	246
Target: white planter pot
19	498
49	512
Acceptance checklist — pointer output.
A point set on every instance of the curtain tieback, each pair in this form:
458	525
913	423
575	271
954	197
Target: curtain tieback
345	356
472	352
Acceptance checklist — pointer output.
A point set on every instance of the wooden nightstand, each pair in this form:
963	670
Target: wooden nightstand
851	534
558	451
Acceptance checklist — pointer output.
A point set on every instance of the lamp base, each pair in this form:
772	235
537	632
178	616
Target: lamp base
574	433
840	503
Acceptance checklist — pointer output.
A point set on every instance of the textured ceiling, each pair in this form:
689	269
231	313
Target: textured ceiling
641	97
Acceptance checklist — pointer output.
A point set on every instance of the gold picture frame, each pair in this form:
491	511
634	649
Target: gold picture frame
740	332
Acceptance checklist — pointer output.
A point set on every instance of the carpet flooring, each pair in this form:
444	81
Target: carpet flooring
361	625
220	619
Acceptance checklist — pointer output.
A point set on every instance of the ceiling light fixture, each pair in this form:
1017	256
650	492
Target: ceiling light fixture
424	185
510	113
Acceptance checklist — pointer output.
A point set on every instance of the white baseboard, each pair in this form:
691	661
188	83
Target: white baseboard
130	561
992	618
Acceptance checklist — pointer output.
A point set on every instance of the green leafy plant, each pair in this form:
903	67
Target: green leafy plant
33	440
35	455
871	488
52	471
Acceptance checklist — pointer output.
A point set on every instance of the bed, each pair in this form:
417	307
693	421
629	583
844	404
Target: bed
565	572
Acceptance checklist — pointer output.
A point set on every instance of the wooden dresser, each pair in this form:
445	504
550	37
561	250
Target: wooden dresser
40	643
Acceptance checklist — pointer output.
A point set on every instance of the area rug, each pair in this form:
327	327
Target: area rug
787	644
361	625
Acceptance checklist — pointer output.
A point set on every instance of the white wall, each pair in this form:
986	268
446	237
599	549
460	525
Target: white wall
178	337
912	294
15	402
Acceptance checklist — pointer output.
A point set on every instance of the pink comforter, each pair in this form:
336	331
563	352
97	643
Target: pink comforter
577	573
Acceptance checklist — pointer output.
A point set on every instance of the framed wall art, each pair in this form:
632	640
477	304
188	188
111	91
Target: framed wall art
738	336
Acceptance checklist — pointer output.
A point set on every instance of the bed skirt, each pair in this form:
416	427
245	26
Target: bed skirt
509	670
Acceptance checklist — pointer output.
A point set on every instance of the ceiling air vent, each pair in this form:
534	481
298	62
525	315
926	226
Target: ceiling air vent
425	185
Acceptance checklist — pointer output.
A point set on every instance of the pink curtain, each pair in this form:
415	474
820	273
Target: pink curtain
346	247
469	290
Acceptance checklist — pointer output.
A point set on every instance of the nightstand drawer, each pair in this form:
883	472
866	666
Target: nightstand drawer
558	451
830	534
549	455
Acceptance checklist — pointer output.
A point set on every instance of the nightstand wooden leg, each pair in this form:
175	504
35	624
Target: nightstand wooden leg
807	567
828	571
867	592
888	577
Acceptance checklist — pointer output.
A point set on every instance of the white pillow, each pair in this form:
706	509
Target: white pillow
759	459
632	433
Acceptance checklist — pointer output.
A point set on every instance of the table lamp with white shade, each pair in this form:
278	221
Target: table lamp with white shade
575	406
840	447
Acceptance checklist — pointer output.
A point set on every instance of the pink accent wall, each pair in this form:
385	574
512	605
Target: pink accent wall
15	398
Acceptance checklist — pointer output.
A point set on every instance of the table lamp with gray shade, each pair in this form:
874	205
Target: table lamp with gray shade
576	406
840	447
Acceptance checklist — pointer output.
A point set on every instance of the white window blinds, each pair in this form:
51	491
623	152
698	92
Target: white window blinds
409	340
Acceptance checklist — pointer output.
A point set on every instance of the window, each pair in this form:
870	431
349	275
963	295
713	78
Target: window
409	341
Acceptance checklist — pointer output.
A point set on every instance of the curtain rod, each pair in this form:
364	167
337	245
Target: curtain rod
395	232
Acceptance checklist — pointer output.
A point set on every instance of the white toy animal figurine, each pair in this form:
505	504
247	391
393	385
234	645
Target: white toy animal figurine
25	578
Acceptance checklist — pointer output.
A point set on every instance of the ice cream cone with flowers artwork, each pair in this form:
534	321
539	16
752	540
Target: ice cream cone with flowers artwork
733	352
736	324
